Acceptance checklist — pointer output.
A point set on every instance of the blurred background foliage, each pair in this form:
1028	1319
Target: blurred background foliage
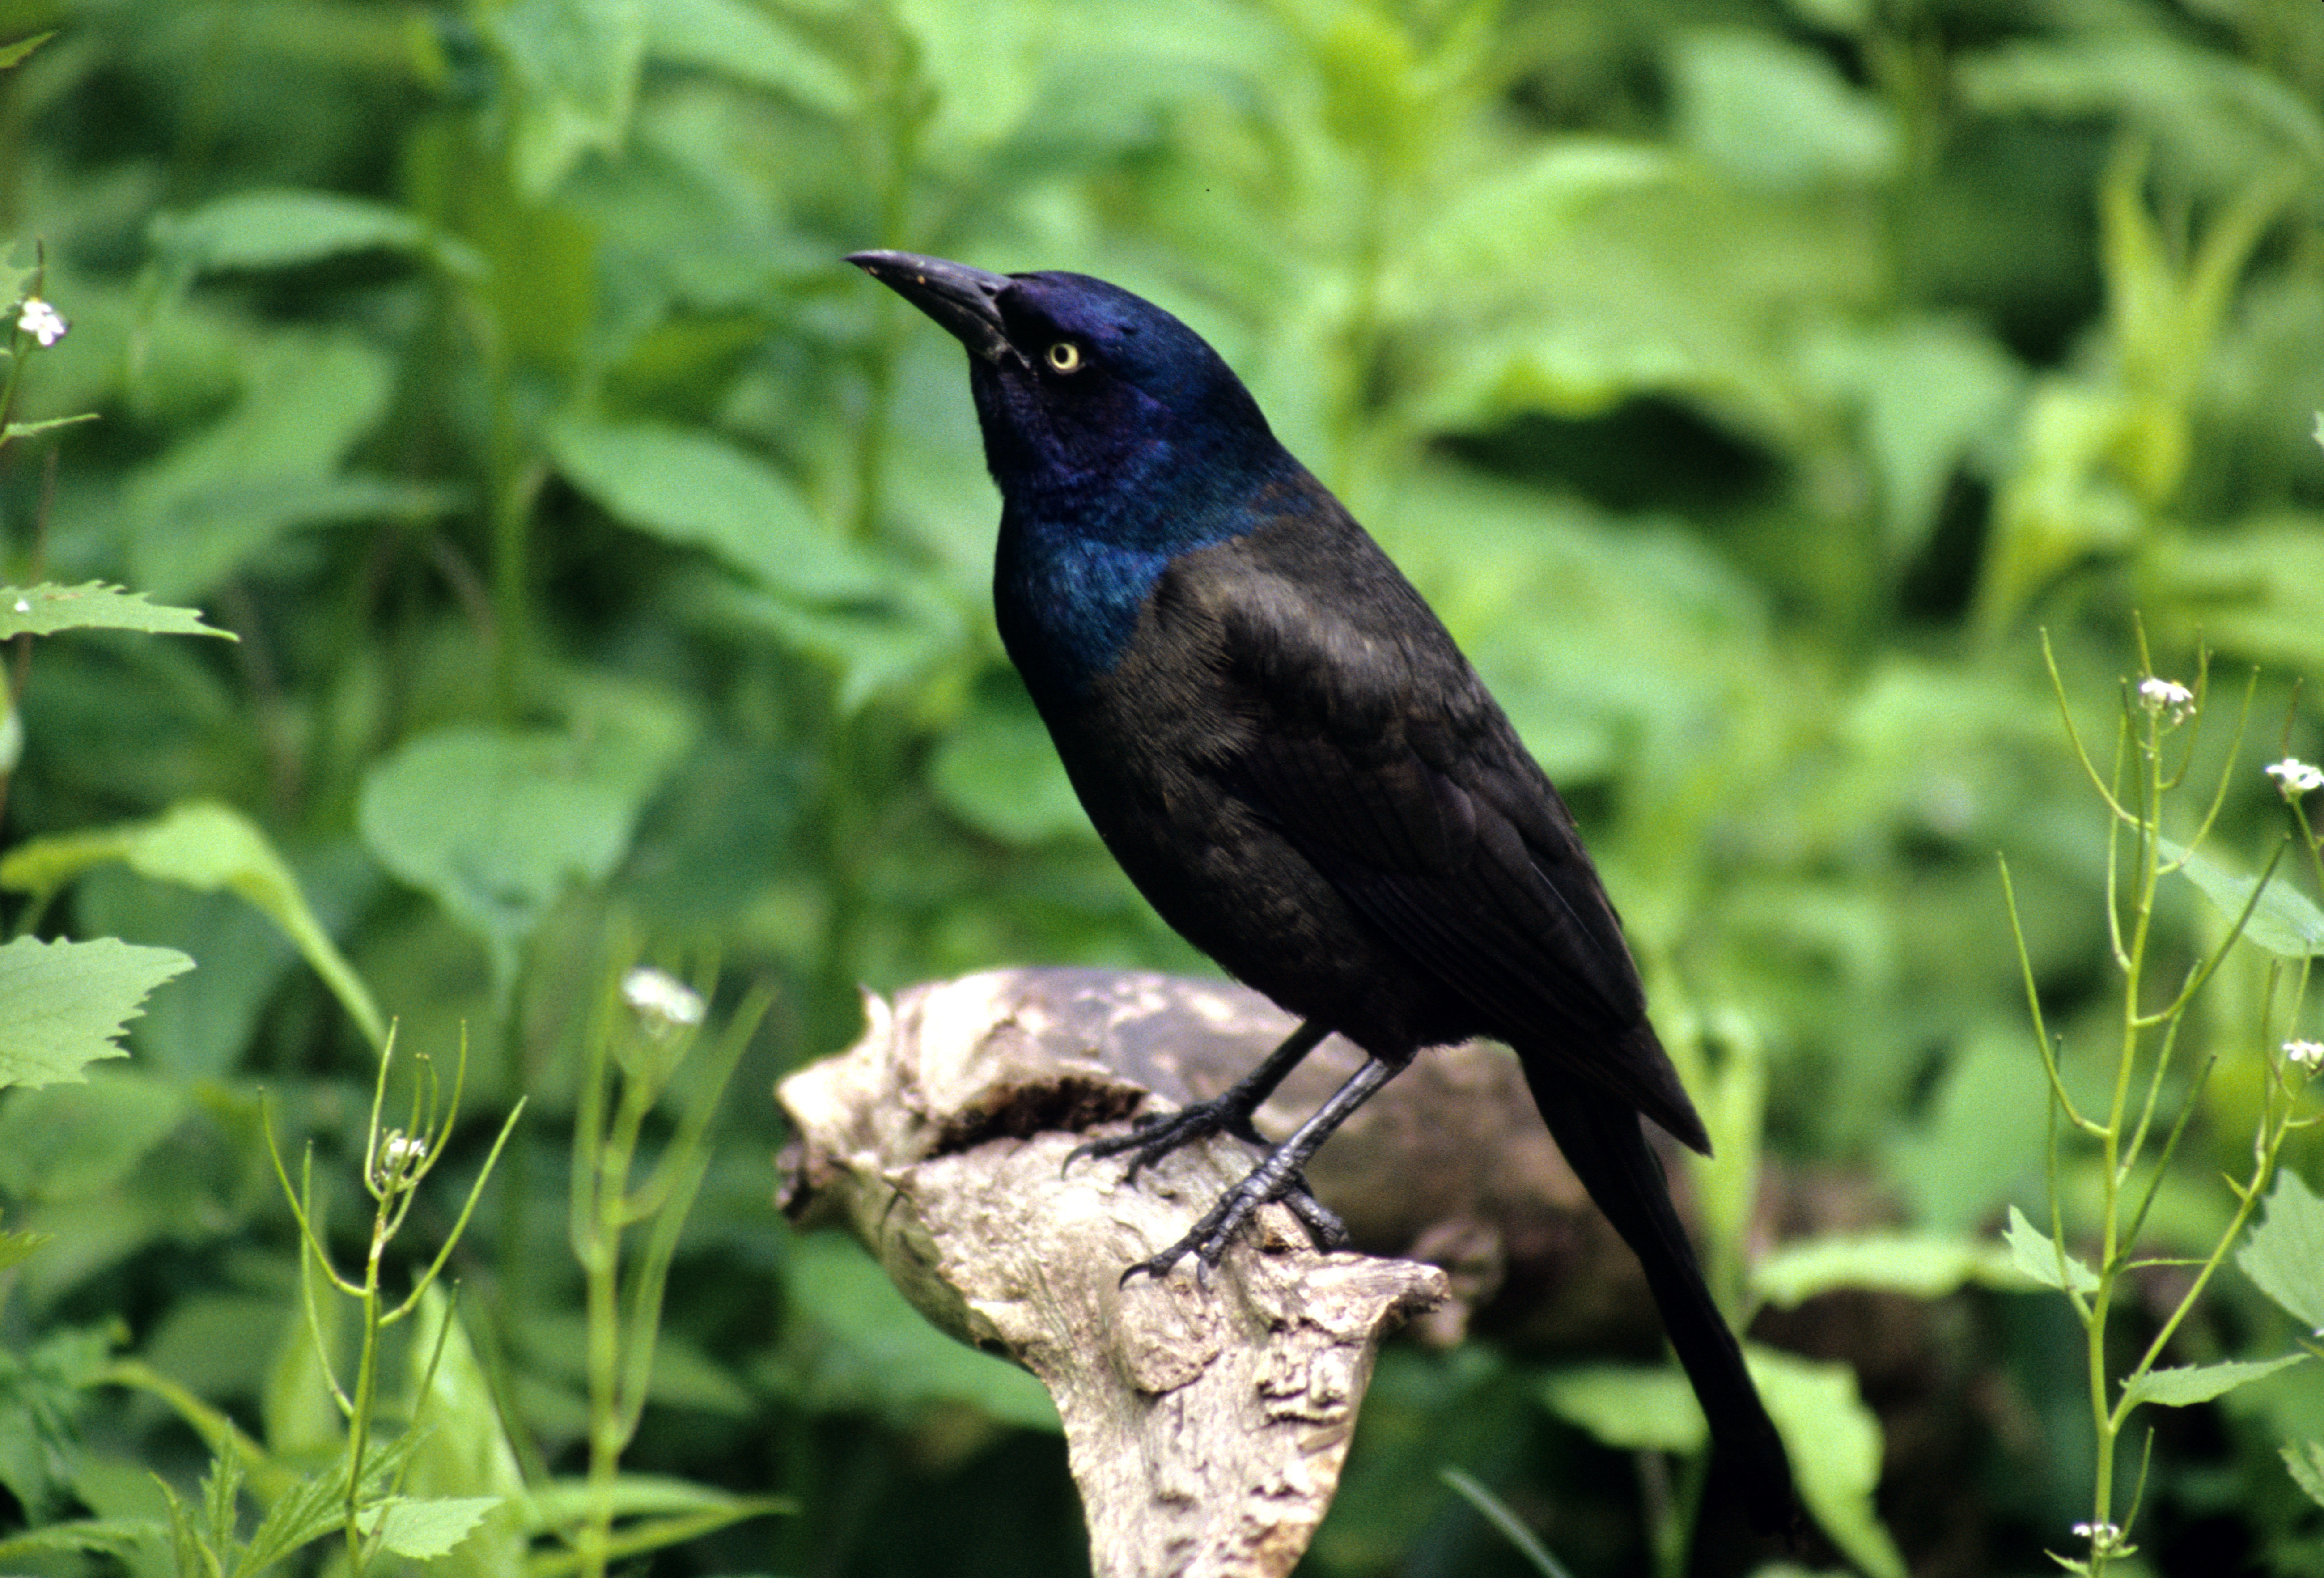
1745	381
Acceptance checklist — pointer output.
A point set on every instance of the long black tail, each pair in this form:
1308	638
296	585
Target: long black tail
1604	1143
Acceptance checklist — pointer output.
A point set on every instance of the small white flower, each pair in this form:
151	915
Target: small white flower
661	1000
2295	777
2307	1054
42	322
2157	696
23	606
2103	1536
398	1153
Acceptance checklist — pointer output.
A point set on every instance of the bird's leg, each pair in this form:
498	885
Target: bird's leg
1155	1138
1278	1178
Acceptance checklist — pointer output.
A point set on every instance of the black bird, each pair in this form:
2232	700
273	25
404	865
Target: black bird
1282	745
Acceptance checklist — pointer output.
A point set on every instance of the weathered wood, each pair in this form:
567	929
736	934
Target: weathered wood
1206	1419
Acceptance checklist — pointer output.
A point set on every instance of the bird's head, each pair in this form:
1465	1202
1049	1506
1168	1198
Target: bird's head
1083	389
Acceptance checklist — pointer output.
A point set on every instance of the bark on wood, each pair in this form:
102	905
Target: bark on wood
1206	1420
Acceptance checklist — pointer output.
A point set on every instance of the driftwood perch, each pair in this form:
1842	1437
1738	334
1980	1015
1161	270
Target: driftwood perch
1205	1424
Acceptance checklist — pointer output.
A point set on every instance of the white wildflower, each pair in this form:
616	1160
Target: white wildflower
2295	777
42	322
663	1001
2160	696
2103	1536
2307	1054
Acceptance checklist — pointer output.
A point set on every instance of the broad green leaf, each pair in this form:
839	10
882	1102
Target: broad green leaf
574	66
1634	1407
426	1528
282	228
203	845
74	1141
46	609
1835	1445
751	45
2284	922
2306	1461
694	488
2040	1259
217	496
1779	115
2199	1383
497	825
2283	1254
1919	1265
62	1003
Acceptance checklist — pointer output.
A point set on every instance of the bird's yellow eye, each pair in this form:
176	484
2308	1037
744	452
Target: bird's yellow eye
1065	357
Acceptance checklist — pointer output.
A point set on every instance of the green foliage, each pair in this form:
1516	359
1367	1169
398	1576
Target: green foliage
1743	382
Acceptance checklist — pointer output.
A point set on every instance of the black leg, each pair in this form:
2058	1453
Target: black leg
1276	1178
1157	1137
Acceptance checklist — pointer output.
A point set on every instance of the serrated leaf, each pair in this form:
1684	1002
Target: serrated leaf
123	1537
1835	1445
203	845
2283	922
62	1003
424	1527
2039	1258
2306	1461
2185	1384
1635	1407
46	609
1918	1265
2284	1254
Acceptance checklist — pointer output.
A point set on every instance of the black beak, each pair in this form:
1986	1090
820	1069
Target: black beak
964	301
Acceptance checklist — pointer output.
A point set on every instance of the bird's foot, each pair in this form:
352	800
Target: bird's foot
1156	1135
1207	1240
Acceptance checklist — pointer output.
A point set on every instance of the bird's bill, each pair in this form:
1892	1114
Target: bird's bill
963	300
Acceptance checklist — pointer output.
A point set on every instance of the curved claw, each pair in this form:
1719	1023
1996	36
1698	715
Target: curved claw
1156	1135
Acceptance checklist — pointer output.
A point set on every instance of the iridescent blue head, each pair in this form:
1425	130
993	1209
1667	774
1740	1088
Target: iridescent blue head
1090	397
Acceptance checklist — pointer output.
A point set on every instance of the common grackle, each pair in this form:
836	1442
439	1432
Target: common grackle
1282	745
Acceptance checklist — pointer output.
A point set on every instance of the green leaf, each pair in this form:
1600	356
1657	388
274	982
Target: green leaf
2284	1254
752	46
1779	115
15	1248
696	489
15	430
426	1528
13	54
463	1446
1919	1265
867	1347
496	825
2306	1466
2039	1258
998	772
2284	922
2199	1383
75	1140
1635	1407
206	846
216	497
46	609
283	227
62	1003
121	1537
1835	1443
574	66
